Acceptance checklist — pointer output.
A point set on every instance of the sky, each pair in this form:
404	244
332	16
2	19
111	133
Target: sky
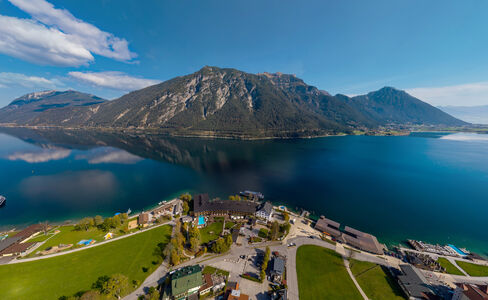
435	50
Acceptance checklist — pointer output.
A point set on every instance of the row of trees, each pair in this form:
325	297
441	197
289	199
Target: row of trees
185	236
187	202
101	223
264	266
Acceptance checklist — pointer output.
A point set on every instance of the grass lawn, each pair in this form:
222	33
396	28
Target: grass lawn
68	235
211	232
473	269
68	274
322	275
229	225
377	284
450	268
263	233
212	270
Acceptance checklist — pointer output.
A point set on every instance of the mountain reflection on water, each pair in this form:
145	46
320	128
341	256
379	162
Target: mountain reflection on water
431	187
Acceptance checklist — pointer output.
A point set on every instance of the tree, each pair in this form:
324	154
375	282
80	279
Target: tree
98	220
116	221
91	295
186	208
219	246
175	257
194	243
85	224
98	285
228	241
275	228
152	294
286	216
117	286
194	232
180	240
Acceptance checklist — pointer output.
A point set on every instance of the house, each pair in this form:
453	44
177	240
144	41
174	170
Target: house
207	284
233	292
17	244
414	283
132	224
186	282
143	219
265	211
467	291
277	269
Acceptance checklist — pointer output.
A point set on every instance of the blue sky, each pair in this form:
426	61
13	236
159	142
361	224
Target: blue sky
436	50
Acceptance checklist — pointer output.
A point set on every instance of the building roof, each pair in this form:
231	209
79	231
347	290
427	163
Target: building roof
267	208
278	265
143	218
362	240
414	282
329	226
237	295
207	282
9	241
30	231
202	204
474	291
16	248
185	279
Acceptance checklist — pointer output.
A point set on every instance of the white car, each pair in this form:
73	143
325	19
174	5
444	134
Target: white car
291	245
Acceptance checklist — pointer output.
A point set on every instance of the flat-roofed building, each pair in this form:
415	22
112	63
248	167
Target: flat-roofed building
328	226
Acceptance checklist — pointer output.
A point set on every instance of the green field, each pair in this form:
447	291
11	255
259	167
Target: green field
322	275
68	274
473	269
376	284
68	235
450	268
211	232
212	270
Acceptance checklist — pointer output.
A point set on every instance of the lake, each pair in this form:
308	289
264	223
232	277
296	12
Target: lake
432	187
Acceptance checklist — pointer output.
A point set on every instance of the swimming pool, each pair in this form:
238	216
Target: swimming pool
457	250
201	221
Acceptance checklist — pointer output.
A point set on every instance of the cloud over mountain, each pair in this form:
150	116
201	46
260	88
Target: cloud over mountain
55	37
113	80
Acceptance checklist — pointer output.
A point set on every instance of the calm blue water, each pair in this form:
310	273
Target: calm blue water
429	186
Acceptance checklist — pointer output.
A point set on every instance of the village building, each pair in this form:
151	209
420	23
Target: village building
265	211
277	269
466	291
414	283
143	219
17	244
233	292
361	240
186	283
203	206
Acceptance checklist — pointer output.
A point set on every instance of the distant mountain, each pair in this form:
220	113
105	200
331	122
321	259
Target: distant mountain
228	102
25	109
471	114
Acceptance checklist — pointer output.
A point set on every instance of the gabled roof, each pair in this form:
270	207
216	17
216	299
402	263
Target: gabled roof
278	265
267	207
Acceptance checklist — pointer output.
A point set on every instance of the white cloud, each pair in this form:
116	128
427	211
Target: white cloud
44	155
469	94
8	79
56	37
114	80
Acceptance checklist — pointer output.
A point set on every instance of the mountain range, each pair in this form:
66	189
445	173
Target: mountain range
228	103
471	114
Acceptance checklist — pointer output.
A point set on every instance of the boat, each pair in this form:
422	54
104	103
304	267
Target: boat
3	200
251	194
